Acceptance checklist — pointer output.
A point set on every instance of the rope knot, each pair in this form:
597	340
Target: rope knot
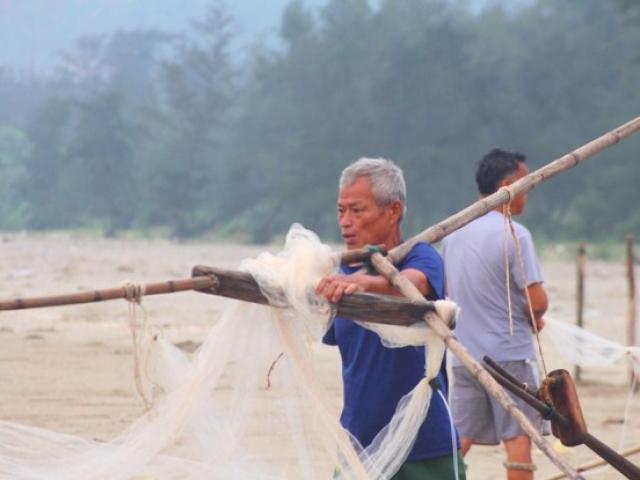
133	292
371	249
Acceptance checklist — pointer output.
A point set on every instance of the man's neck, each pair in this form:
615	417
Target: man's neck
393	240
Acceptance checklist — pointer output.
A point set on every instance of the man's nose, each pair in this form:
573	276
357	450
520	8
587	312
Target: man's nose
345	219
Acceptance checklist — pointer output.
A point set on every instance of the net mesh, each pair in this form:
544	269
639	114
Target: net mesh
213	415
581	347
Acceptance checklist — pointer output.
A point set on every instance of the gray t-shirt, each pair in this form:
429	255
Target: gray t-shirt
475	272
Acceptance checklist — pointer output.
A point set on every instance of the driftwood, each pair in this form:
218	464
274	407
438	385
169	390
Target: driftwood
402	283
365	307
440	230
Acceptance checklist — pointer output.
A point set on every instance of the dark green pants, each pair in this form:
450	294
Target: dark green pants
439	468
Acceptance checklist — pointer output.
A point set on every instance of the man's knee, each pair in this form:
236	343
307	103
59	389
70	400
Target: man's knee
518	449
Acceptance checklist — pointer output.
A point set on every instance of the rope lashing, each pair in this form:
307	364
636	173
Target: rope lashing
133	296
508	219
133	292
371	249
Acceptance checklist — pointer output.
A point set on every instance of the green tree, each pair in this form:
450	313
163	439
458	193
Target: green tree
15	149
189	131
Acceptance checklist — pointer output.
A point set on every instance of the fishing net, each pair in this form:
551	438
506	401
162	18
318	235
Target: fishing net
581	347
214	415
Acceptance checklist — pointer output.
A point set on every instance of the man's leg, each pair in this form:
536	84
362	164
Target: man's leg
465	445
471	410
519	465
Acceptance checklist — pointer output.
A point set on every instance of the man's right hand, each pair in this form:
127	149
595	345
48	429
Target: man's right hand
333	287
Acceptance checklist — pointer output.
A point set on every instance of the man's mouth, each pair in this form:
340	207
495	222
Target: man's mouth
349	238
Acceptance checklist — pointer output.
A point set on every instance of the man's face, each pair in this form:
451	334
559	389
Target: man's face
362	221
518	203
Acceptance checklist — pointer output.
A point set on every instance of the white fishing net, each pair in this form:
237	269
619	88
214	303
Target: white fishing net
213	416
581	347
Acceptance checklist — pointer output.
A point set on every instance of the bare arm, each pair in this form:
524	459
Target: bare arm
334	287
539	303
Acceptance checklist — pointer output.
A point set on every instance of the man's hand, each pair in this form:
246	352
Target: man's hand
539	303
334	287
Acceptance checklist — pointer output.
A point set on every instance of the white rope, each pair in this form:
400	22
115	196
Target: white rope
141	346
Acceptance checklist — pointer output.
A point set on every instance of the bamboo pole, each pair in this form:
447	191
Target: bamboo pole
404	285
631	308
581	260
597	463
365	307
483	206
92	296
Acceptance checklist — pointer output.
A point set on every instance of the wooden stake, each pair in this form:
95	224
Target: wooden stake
404	285
631	308
440	230
581	260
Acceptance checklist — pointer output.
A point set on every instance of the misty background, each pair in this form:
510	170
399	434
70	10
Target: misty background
236	118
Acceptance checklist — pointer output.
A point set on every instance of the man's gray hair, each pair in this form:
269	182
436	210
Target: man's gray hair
386	178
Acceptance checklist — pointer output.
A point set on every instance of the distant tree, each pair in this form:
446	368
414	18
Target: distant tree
15	149
20	96
50	131
100	155
186	176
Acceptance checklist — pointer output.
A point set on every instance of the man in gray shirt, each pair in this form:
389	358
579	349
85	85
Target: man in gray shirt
476	270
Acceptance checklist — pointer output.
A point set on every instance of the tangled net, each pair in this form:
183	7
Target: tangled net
212	416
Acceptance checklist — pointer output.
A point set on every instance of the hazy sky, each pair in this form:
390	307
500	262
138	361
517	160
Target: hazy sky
33	32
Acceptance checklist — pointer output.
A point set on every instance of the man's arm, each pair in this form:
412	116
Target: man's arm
539	303
334	287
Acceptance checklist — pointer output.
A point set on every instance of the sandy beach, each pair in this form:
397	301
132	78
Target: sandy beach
70	368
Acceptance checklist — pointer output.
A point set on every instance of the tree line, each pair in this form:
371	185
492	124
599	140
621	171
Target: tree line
149	129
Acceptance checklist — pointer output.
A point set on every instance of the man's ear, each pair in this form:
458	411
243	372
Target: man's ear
396	211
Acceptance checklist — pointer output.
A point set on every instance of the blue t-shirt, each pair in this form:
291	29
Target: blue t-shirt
376	377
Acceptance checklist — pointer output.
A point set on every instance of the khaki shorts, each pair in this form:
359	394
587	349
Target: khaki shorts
480	417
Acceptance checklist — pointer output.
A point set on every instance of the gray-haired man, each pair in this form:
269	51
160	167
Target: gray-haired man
371	204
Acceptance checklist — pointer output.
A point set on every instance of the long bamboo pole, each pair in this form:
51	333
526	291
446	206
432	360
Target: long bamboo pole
597	463
483	206
365	307
408	289
92	296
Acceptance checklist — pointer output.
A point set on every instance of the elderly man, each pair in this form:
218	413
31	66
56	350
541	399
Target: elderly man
371	204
